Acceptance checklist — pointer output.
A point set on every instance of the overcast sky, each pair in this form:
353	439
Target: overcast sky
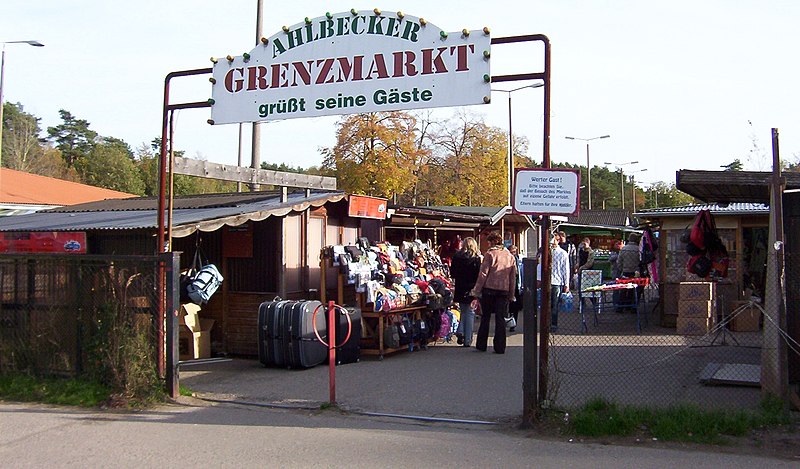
686	84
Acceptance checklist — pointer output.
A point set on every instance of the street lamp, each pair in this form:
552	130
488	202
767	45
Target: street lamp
510	142
608	198
2	68
633	189
588	168
621	178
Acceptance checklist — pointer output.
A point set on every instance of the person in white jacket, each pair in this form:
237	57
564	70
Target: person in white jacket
559	280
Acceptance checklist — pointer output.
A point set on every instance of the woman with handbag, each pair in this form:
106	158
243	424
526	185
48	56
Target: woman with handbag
495	289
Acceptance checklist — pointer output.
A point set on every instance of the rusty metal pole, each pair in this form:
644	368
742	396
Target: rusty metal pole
544	329
161	243
544	317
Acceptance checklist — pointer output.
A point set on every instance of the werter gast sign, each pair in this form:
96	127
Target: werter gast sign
352	62
546	191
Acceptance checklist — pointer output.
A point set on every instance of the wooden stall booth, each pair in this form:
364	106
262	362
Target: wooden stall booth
742	227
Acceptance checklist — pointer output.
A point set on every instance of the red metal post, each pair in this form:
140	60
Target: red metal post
161	245
332	350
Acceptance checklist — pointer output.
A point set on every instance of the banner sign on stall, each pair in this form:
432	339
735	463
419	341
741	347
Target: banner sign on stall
546	191
349	63
45	241
362	206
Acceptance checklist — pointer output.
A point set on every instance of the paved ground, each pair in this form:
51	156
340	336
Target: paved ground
446	380
238	436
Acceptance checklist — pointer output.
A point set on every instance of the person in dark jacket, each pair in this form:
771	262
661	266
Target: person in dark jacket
464	268
515	307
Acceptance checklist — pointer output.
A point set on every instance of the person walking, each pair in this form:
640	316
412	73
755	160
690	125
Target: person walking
585	262
464	268
515	307
572	253
585	255
615	273
559	280
628	266
495	289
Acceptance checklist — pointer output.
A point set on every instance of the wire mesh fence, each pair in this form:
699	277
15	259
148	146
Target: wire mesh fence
67	314
615	347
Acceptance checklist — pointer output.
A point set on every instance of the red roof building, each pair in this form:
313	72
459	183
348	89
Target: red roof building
22	192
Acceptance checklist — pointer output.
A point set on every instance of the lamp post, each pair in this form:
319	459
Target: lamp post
608	198
621	178
588	167
633	189
2	69
510	161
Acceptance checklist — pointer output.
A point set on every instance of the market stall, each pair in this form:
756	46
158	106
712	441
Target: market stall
402	291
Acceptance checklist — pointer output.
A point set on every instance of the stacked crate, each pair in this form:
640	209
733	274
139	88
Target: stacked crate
747	318
697	306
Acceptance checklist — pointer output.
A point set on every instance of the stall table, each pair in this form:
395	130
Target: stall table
601	304
374	323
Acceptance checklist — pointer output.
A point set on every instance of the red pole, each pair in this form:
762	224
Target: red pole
332	350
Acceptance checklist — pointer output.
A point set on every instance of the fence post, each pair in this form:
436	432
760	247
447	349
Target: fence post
530	349
171	266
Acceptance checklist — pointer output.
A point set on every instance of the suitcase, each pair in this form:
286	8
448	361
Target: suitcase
302	349
350	351
270	332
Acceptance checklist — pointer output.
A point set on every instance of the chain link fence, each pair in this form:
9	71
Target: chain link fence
73	315
614	345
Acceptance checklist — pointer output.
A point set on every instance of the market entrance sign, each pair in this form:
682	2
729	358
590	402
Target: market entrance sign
352	62
546	191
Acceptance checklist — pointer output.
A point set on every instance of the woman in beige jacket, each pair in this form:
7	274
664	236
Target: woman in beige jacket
495	289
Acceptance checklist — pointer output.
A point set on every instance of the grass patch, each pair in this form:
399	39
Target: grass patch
53	390
184	391
686	423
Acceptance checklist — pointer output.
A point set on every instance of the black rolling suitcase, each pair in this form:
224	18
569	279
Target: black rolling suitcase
271	332
350	351
303	349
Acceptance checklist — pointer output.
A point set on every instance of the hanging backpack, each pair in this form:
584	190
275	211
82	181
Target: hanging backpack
648	247
699	265
391	336
404	331
708	253
205	282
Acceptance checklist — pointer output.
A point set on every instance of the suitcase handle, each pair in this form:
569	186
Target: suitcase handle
316	331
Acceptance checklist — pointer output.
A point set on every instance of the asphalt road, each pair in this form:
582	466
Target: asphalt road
225	435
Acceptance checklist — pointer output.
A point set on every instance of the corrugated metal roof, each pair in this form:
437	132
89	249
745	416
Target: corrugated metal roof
731	186
490	215
19	187
737	208
610	217
184	201
481	211
140	213
436	212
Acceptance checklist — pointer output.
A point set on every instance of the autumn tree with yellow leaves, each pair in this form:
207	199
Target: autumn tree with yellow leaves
419	161
375	154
